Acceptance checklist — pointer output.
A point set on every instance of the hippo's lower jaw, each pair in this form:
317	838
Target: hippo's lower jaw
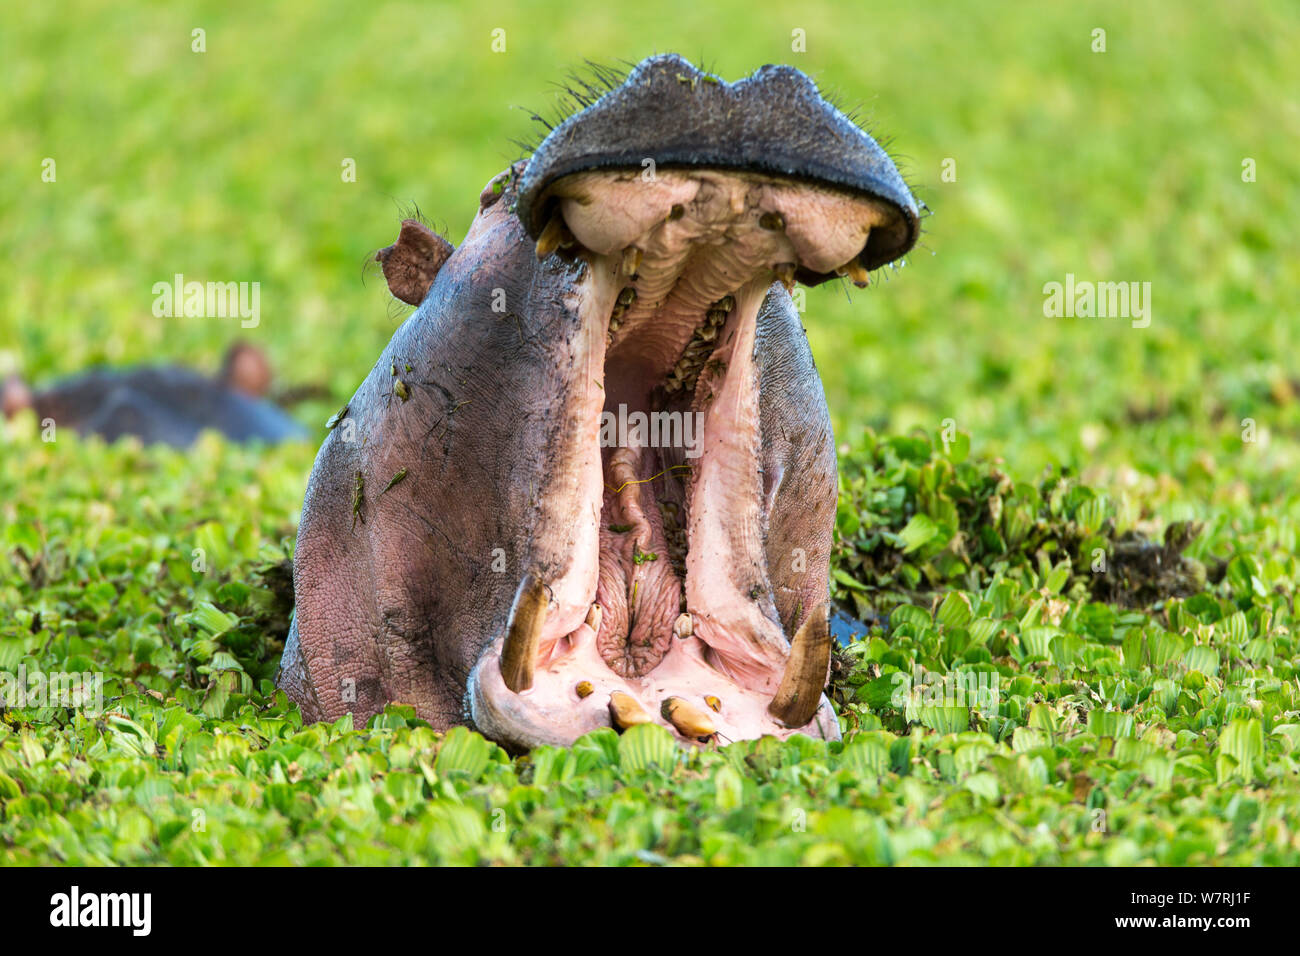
684	629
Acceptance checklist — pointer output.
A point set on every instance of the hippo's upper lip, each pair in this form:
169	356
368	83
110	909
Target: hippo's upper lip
776	122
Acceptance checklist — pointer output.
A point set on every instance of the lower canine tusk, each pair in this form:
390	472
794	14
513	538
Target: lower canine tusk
799	695
523	633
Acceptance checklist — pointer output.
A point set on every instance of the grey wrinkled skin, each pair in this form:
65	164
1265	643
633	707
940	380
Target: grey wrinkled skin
402	582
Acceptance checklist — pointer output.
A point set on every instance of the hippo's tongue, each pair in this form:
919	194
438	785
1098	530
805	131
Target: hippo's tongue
680	610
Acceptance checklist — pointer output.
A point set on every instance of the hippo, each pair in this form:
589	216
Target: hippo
164	404
591	481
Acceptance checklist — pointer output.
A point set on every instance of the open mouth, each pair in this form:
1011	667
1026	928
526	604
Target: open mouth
666	611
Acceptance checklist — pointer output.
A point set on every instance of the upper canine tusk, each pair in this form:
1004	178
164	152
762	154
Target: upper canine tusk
553	236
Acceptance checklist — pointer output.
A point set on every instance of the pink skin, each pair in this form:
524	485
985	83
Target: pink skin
701	240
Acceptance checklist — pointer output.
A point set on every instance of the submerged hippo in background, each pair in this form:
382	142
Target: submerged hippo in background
591	481
164	403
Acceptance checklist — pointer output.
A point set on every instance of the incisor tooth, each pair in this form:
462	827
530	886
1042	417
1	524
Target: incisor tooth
856	272
631	260
593	617
552	237
690	721
785	272
527	617
806	669
583	690
683	627
626	711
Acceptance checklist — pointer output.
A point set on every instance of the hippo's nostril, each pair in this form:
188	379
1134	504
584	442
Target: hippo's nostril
772	221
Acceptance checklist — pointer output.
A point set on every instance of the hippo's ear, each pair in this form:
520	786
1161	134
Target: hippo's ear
413	261
15	396
246	369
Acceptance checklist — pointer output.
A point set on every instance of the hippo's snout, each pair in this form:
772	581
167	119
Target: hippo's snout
668	115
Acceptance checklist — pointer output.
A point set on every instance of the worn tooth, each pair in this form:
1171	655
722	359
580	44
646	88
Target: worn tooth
617	311
785	272
631	261
856	272
584	689
726	303
708	333
773	221
527	617
690	721
806	669
715	705
594	614
553	236
684	626
626	711
627	296
614	325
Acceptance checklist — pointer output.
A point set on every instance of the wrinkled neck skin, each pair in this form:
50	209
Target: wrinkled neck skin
628	537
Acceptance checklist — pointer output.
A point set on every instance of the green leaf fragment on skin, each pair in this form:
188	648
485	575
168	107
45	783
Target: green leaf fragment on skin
395	479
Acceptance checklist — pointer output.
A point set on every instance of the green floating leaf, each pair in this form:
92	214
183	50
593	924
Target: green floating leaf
1203	659
918	532
728	788
207	618
1028	738
945	720
955	611
1243	741
866	756
463	751
1110	723
646	745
